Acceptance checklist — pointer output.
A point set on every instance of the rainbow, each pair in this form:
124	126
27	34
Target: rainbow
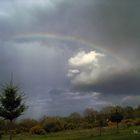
54	36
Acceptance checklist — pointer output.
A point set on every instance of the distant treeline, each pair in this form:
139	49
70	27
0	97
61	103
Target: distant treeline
89	119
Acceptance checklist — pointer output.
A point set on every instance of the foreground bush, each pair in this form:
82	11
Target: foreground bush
85	125
129	122
137	122
70	126
53	125
1	133
26	124
37	130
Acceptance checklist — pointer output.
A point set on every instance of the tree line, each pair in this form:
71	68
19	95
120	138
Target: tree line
90	118
12	106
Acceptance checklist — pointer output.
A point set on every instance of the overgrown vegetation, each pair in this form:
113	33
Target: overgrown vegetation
86	134
88	120
12	106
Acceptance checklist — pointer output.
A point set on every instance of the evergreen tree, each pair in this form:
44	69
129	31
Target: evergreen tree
11	104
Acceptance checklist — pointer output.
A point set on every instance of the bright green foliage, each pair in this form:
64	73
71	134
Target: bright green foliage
11	105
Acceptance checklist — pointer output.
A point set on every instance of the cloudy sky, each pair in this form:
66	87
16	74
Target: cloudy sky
68	55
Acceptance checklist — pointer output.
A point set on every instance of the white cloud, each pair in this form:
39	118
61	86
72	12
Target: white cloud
83	58
89	69
72	72
84	67
96	95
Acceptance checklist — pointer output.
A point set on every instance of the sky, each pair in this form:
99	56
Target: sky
69	55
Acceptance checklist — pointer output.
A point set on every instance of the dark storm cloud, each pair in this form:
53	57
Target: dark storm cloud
109	23
125	83
114	22
115	26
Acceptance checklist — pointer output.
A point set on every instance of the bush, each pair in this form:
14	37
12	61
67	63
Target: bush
70	126
85	125
128	122
26	124
37	130
1	133
137	122
53	125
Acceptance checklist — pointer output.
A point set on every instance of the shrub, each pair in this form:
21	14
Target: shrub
37	130
1	133
26	124
85	125
70	126
53	125
128	122
137	122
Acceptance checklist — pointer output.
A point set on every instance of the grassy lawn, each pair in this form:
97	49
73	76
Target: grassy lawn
93	134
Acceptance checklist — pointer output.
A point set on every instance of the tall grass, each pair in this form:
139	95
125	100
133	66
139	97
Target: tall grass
89	134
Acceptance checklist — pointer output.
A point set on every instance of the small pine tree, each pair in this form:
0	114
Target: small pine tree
11	104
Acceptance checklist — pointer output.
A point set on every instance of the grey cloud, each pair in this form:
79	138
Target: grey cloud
125	83
33	64
70	101
6	28
61	102
130	100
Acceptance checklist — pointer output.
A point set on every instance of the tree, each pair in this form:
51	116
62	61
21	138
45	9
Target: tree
75	115
53	124
128	112
11	104
137	112
26	124
101	121
116	117
90	115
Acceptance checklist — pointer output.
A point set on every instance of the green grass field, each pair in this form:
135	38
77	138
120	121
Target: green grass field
108	134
